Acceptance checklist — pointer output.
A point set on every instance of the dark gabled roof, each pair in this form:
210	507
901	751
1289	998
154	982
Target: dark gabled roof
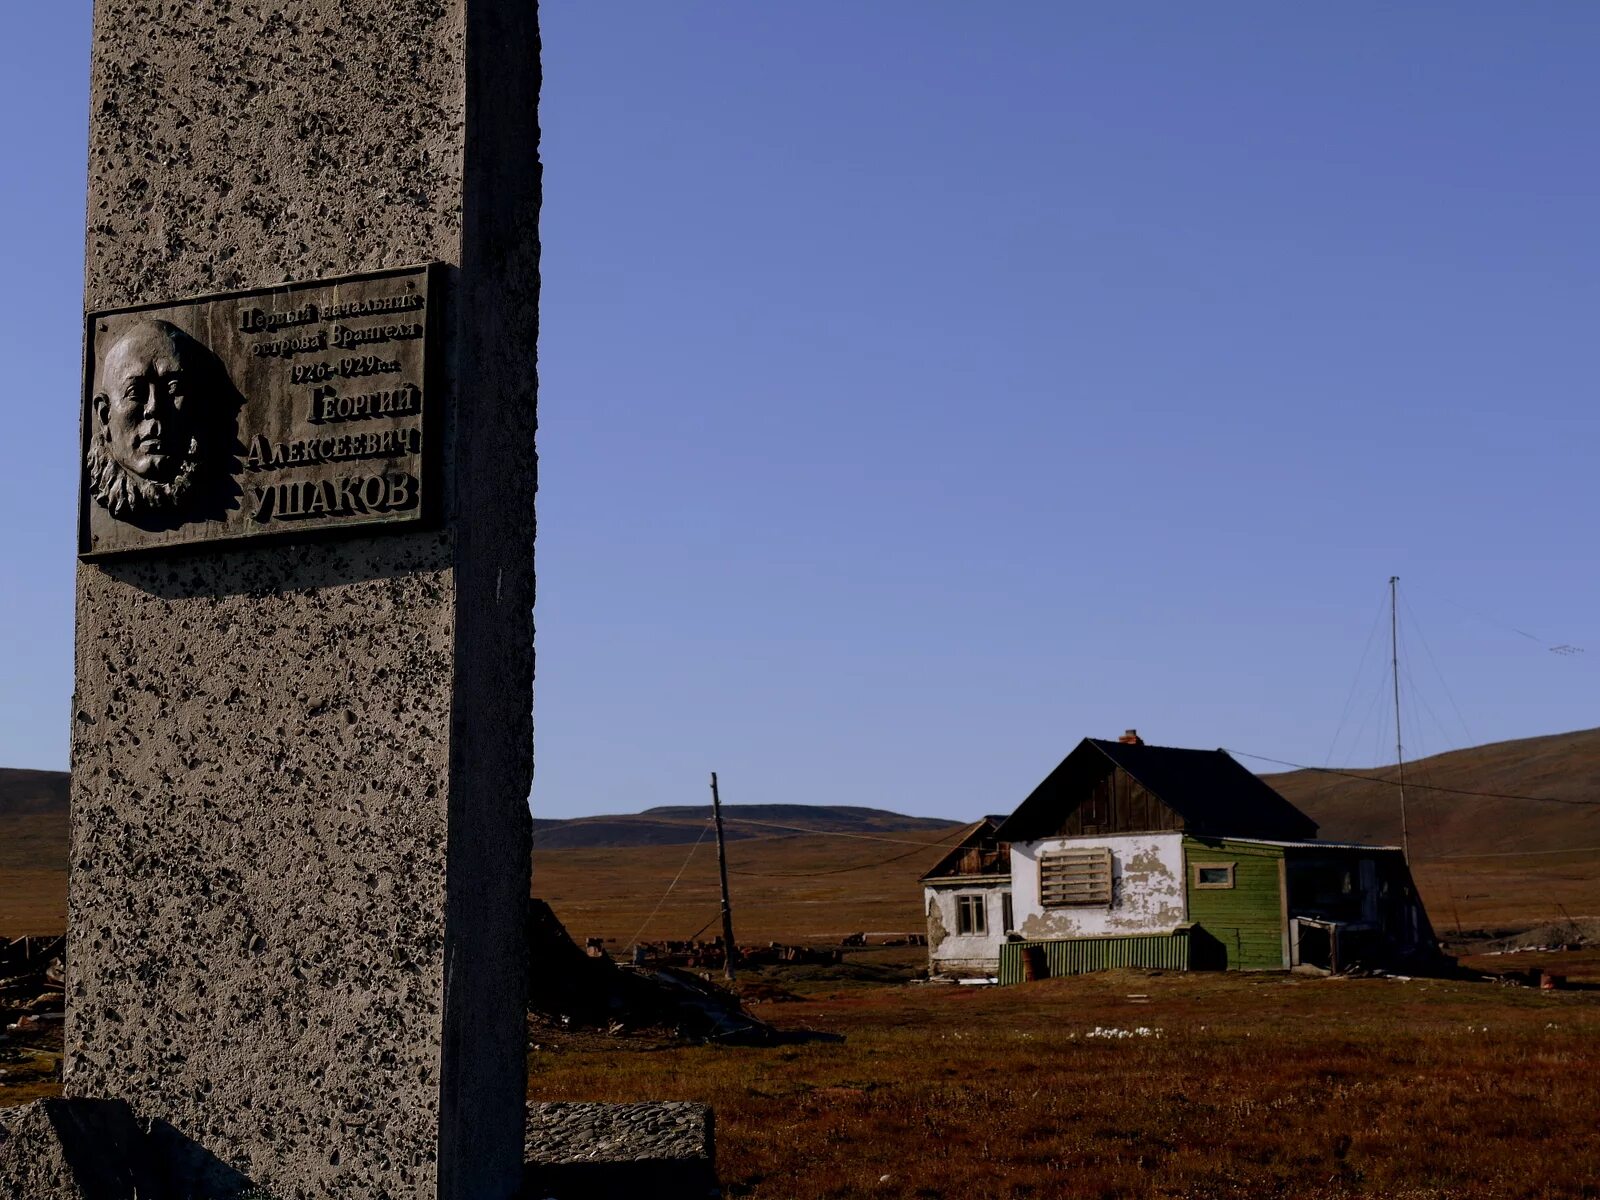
1208	789
977	834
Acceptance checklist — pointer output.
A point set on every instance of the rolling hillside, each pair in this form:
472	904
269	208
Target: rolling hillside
681	825
33	852
31	793
1481	861
1564	767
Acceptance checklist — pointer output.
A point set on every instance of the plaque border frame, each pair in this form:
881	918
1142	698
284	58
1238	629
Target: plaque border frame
430	509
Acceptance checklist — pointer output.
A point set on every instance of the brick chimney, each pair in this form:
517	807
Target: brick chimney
1131	738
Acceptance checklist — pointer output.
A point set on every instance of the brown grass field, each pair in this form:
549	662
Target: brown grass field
33	852
1246	1086
1257	1085
781	896
780	892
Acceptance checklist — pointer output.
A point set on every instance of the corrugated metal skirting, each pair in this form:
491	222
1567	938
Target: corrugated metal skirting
1075	956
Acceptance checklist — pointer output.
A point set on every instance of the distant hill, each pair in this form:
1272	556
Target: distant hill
604	874
33	852
1562	767
682	824
33	820
42	795
27	793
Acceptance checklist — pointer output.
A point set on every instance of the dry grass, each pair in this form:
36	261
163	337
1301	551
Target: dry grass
1246	1086
1499	893
811	888
33	873
1565	766
32	903
780	894
802	889
1257	1086
28	1074
30	1068
795	890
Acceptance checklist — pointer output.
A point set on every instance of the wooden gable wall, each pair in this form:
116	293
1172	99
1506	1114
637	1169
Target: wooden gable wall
1116	803
979	854
992	858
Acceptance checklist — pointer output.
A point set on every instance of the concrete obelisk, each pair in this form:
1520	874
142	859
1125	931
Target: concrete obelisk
302	719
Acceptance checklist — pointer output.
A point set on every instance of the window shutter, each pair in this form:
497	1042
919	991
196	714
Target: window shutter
1074	877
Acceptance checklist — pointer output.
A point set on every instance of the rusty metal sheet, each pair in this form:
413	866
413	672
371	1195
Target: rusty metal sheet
296	409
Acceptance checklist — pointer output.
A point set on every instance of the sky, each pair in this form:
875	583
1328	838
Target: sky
926	386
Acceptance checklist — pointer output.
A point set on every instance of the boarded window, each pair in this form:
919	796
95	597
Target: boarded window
1073	877
970	915
1213	875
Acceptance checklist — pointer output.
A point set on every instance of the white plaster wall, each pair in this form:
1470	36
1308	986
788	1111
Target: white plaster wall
950	952
1147	891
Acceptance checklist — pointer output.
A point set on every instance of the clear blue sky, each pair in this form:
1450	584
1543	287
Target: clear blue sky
929	385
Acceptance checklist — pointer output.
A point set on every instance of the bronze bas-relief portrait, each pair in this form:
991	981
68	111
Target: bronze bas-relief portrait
163	426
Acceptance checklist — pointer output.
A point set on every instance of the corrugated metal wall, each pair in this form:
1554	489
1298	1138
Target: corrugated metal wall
1076	956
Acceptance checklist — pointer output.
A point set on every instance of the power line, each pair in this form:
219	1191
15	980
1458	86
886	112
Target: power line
1355	684
1517	853
559	824
881	862
1563	649
1430	787
1438	674
635	940
865	837
801	829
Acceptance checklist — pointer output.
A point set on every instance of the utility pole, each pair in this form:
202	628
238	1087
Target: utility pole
1399	748
728	952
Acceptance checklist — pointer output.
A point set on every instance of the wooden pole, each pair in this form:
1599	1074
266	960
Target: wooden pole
728	952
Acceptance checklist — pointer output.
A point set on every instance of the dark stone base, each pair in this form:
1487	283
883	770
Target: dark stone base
619	1181
620	1152
72	1150
99	1150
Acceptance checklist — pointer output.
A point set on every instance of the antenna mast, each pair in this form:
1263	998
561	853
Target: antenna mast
1399	749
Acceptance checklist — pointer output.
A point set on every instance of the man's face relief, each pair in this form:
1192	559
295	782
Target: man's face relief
146	457
141	403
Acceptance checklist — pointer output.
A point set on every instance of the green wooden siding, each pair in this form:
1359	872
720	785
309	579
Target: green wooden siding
1246	919
1077	956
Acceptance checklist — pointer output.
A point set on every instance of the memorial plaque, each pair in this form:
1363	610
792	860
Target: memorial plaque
293	409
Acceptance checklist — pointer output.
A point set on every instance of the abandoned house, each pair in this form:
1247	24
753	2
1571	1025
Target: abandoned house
967	896
1137	855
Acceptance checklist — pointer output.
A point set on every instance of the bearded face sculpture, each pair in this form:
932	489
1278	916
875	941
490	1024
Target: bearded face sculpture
148	450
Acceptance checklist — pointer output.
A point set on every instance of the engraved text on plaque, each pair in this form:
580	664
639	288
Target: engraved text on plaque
302	407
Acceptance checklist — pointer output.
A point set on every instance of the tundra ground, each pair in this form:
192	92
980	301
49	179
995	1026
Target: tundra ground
1139	1084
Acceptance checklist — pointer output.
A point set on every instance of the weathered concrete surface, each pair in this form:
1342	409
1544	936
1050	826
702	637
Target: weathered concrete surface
299	831
67	1149
73	1150
594	1151
953	953
1147	887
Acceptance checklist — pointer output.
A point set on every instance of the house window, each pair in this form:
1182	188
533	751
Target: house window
1213	875
1007	921
1074	877
970	915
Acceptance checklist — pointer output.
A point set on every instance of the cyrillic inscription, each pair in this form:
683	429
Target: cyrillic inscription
299	407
